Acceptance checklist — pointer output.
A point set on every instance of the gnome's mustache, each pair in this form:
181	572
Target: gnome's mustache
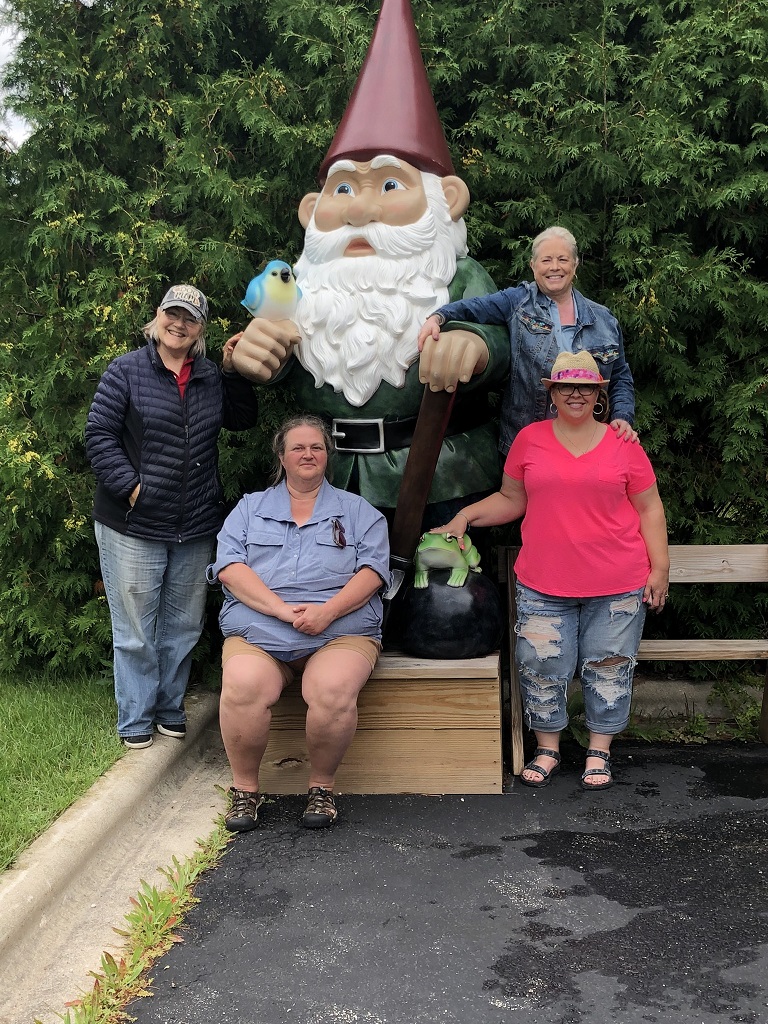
385	239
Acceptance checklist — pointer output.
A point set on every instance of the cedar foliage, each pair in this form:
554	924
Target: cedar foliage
174	143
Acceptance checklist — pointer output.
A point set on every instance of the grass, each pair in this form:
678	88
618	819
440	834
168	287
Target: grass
56	739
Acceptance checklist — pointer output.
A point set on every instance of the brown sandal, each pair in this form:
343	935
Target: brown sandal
321	808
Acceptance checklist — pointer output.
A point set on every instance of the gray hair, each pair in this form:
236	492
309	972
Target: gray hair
555	232
197	348
279	441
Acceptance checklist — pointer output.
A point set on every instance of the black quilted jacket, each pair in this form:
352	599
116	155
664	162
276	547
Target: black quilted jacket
140	430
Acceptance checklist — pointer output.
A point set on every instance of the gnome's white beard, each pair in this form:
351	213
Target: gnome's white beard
360	316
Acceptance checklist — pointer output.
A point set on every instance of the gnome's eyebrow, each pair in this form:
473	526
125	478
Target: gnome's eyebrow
376	163
341	165
384	161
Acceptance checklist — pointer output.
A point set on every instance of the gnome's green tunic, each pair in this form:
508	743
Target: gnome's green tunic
469	461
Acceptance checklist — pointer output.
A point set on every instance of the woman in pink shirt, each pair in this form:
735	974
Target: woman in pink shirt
594	559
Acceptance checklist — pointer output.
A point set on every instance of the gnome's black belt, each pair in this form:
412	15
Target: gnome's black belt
373	437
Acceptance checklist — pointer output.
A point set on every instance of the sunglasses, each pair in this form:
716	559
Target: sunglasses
585	390
339	537
176	316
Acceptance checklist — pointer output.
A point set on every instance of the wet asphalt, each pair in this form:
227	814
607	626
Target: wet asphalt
645	903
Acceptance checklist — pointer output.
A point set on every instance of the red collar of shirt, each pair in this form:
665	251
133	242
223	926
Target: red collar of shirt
182	377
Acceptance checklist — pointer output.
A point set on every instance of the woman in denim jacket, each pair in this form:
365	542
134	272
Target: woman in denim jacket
544	317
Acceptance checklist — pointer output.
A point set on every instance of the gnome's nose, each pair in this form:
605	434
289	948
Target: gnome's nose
362	210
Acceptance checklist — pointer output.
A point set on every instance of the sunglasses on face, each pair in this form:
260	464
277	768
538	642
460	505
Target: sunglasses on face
585	390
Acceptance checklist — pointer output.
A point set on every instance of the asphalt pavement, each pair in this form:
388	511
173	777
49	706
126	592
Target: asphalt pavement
644	903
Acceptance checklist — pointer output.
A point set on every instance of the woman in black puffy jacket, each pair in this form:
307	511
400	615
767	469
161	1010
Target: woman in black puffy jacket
151	438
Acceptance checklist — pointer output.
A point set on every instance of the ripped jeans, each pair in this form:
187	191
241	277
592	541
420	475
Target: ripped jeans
597	637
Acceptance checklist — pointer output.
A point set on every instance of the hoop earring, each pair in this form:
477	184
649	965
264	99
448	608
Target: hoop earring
553	409
599	408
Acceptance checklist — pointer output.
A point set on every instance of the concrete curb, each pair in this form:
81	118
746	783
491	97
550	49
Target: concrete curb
72	886
655	698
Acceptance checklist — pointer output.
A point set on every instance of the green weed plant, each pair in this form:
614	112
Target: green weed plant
152	928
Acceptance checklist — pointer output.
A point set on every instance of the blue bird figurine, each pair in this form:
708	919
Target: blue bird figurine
274	294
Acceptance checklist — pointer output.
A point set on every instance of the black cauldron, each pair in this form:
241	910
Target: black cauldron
439	621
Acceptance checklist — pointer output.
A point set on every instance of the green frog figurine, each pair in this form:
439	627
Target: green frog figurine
439	551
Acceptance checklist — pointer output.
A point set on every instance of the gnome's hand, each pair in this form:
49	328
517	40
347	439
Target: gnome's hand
264	347
454	358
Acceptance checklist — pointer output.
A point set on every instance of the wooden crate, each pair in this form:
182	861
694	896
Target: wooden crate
424	727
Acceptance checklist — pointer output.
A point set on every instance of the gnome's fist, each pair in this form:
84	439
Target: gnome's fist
455	357
264	347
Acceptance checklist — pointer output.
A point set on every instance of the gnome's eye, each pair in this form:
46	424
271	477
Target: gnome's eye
391	185
344	189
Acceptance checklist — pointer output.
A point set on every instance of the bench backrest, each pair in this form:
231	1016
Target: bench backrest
718	563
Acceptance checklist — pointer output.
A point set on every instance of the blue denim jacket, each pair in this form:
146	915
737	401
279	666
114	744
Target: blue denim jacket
526	313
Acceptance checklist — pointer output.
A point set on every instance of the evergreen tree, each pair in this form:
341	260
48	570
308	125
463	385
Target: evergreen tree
174	143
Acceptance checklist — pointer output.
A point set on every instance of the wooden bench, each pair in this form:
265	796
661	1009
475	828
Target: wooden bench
424	726
689	563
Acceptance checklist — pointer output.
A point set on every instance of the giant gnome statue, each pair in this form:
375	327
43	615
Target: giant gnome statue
385	245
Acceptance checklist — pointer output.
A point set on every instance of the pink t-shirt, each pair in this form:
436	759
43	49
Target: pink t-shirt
581	534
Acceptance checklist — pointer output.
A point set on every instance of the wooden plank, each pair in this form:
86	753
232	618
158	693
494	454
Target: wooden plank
718	563
404	704
702	650
698	563
393	761
466	703
393	665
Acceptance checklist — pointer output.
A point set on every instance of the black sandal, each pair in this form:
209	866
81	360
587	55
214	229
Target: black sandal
546	776
605	770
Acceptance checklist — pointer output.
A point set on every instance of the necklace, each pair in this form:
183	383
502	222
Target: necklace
582	451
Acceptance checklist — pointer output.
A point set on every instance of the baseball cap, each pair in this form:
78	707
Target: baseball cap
187	297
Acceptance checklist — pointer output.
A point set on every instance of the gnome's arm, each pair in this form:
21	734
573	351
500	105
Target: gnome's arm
470	353
458	357
264	348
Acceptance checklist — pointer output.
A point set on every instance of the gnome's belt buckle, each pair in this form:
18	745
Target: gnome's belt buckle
359	437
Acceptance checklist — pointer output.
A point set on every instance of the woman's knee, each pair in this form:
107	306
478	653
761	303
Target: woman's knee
248	682
335	680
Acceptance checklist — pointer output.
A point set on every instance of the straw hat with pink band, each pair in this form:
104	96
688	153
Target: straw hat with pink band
574	368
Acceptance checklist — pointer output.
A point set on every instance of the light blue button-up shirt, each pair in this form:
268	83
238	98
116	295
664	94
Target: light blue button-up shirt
302	564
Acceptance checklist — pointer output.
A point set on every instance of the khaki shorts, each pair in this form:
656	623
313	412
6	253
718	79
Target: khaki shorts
290	670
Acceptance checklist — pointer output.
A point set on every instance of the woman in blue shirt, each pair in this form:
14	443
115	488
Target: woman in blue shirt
302	565
544	317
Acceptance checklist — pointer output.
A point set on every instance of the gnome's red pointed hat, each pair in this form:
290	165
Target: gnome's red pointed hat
391	109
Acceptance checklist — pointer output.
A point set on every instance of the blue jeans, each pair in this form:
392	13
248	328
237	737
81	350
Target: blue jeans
156	593
596	636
